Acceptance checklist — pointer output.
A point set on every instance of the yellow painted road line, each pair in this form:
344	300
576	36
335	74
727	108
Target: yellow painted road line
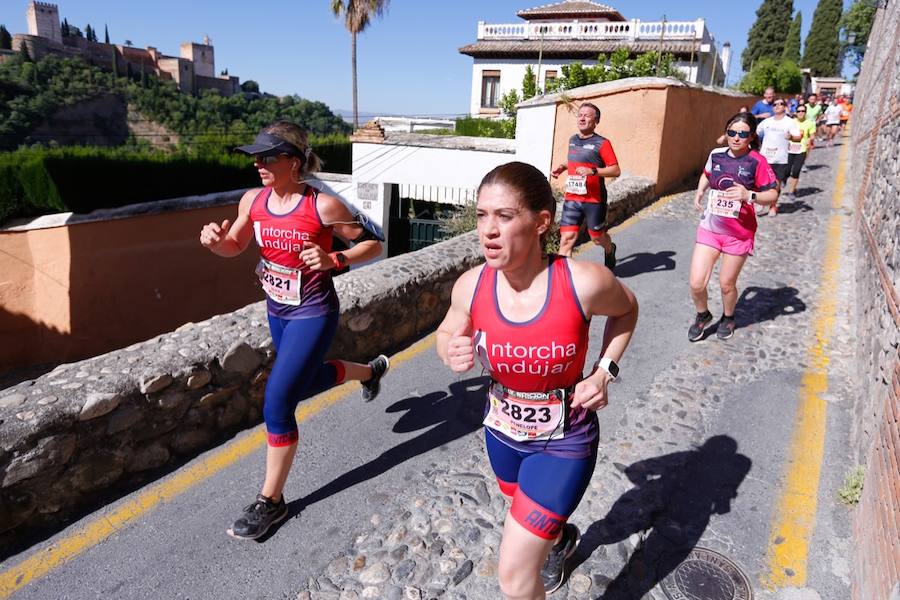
794	519
91	534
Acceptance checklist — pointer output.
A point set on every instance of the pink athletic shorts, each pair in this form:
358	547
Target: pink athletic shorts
724	242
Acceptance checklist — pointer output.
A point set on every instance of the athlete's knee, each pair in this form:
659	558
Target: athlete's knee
697	284
728	286
515	582
281	423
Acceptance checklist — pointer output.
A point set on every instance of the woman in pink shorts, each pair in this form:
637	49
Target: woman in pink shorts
734	178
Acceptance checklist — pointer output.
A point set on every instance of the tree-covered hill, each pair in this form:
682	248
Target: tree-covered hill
31	91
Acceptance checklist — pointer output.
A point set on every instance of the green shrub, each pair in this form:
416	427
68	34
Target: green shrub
82	179
783	75
505	128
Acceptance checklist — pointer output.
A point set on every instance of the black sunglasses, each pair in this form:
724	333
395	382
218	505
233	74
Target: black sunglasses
268	159
741	134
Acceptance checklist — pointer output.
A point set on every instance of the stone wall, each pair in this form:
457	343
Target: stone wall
875	186
91	429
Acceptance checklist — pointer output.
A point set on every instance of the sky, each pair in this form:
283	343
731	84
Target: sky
408	60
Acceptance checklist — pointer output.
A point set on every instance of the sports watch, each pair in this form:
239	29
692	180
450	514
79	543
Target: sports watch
752	196
608	365
340	261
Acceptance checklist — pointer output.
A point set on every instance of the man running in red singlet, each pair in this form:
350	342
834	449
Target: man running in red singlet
591	158
526	315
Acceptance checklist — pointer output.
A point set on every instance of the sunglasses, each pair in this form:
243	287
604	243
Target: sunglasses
741	134
778	103
268	159
801	110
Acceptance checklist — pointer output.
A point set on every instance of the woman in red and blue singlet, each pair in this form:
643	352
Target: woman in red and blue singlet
293	225
524	316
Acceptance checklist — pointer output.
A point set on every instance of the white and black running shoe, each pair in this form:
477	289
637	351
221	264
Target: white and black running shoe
553	573
258	518
371	387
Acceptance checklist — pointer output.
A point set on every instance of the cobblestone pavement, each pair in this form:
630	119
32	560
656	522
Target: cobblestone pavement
440	538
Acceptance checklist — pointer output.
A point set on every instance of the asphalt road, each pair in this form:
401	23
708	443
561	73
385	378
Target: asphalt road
355	457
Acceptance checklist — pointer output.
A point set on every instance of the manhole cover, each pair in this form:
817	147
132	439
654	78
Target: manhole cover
706	575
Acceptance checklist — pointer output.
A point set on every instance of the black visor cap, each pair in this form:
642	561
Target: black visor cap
266	144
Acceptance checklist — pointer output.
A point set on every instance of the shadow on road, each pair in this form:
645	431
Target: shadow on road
815	167
454	414
758	304
786	208
673	499
645	262
806	191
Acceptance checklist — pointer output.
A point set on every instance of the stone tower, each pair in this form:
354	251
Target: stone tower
43	20
202	57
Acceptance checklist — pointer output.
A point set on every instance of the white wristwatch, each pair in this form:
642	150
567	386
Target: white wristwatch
608	365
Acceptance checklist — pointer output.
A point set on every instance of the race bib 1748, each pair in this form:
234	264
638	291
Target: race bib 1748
577	184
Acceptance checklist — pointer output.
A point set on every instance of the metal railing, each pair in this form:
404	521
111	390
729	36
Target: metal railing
437	193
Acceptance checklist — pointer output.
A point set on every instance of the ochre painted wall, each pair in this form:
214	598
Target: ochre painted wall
658	131
79	290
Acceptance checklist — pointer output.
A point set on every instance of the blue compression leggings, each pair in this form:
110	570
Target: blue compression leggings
298	372
545	489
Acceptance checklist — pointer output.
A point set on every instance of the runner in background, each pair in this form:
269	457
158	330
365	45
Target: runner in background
814	112
591	159
763	109
798	151
775	135
525	316
832	121
733	179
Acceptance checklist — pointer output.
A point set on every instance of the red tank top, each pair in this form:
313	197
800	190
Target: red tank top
280	239
544	353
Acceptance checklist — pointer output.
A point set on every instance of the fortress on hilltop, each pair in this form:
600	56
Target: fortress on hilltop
192	71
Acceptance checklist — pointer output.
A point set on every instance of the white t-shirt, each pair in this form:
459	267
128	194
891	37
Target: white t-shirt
833	114
773	143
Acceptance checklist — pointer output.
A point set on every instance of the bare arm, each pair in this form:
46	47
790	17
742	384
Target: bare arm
334	212
230	240
702	187
454	334
600	293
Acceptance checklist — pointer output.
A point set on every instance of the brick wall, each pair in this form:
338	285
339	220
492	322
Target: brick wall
875	184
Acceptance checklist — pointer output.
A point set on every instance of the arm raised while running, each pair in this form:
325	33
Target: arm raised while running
230	240
454	334
600	293
337	214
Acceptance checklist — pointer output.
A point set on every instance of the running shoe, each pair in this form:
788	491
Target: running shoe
258	518
379	366
609	259
773	211
553	573
725	328
700	323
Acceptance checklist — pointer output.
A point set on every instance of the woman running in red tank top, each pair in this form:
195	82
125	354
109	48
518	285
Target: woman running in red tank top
525	316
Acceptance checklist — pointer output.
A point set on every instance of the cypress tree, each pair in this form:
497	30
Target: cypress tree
5	39
89	33
65	28
106	32
769	32
792	44
821	53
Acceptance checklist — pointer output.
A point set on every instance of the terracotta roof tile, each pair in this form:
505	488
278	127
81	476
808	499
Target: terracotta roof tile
571	9
572	49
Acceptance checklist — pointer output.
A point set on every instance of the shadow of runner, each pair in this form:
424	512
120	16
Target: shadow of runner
644	262
456	413
786	208
758	304
674	497
805	191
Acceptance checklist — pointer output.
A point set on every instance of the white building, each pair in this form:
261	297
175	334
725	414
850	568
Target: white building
559	34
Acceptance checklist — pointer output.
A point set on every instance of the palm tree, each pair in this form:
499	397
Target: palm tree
357	14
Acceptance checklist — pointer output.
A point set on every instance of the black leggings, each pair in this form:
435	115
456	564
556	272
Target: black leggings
795	163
